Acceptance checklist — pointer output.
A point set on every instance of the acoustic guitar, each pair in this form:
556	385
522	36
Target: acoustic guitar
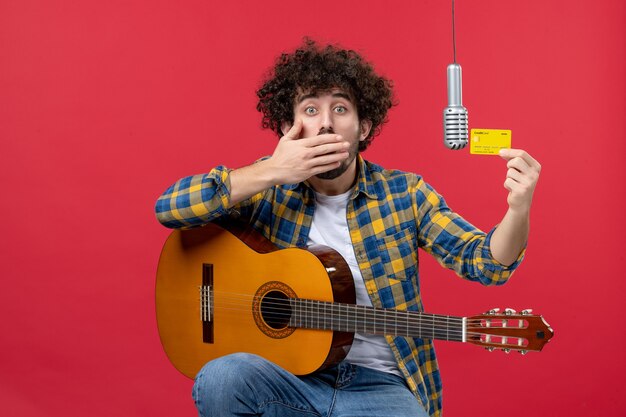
221	290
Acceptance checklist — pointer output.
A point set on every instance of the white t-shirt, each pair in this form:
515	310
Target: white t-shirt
330	228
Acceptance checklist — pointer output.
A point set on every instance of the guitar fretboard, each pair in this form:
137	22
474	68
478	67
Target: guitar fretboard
313	314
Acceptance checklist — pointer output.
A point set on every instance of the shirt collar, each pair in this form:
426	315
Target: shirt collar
364	183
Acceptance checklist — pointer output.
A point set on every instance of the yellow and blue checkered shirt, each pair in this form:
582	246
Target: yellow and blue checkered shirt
390	214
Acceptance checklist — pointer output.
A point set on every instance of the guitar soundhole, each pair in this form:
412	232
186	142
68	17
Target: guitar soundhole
276	310
271	309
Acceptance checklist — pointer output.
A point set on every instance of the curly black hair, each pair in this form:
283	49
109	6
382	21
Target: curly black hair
312	68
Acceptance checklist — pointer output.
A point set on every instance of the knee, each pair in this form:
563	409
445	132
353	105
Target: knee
230	373
224	383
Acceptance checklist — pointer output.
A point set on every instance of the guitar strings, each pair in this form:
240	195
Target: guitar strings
244	300
352	325
370	318
411	321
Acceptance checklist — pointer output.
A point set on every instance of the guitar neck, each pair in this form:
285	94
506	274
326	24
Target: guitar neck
312	314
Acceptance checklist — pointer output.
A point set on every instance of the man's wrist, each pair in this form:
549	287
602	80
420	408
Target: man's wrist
265	173
519	214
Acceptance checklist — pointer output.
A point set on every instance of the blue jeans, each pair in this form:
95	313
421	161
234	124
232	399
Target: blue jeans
248	385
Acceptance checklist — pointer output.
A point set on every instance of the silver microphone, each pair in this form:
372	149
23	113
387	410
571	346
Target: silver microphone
455	115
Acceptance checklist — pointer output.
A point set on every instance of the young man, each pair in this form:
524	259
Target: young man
327	104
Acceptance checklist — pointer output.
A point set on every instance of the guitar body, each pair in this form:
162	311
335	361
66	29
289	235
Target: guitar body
209	288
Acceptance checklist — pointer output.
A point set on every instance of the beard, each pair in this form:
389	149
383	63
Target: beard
337	172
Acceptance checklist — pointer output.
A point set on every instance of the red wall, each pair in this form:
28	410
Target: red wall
103	104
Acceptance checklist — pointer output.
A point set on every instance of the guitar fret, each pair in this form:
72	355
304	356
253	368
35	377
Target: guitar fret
340	321
307	314
419	318
364	329
300	313
433	336
364	320
394	316
407	322
317	304
339	318
439	332
383	320
374	320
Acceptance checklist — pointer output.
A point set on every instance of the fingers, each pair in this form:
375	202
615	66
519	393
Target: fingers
321	140
515	175
510	154
520	162
294	132
329	148
512	185
521	178
329	159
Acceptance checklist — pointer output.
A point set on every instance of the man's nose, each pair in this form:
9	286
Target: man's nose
326	121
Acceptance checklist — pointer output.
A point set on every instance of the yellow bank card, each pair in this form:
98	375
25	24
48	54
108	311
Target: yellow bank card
489	141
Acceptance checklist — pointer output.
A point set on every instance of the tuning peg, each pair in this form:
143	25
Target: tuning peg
523	352
527	311
509	311
506	350
493	311
490	348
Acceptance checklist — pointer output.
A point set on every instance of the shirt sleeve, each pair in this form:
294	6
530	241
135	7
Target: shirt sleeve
456	243
199	199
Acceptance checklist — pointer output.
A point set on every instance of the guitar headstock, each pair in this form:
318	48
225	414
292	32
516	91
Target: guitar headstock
510	330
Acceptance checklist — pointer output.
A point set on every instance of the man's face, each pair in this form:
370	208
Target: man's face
331	111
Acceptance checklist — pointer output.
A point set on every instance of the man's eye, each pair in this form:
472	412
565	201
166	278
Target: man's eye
310	110
340	109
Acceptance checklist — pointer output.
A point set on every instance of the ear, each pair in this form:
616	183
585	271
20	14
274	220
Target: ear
285	127
366	127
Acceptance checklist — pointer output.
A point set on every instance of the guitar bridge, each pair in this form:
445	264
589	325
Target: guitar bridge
206	303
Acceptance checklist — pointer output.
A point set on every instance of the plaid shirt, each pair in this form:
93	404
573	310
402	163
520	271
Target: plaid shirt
390	214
